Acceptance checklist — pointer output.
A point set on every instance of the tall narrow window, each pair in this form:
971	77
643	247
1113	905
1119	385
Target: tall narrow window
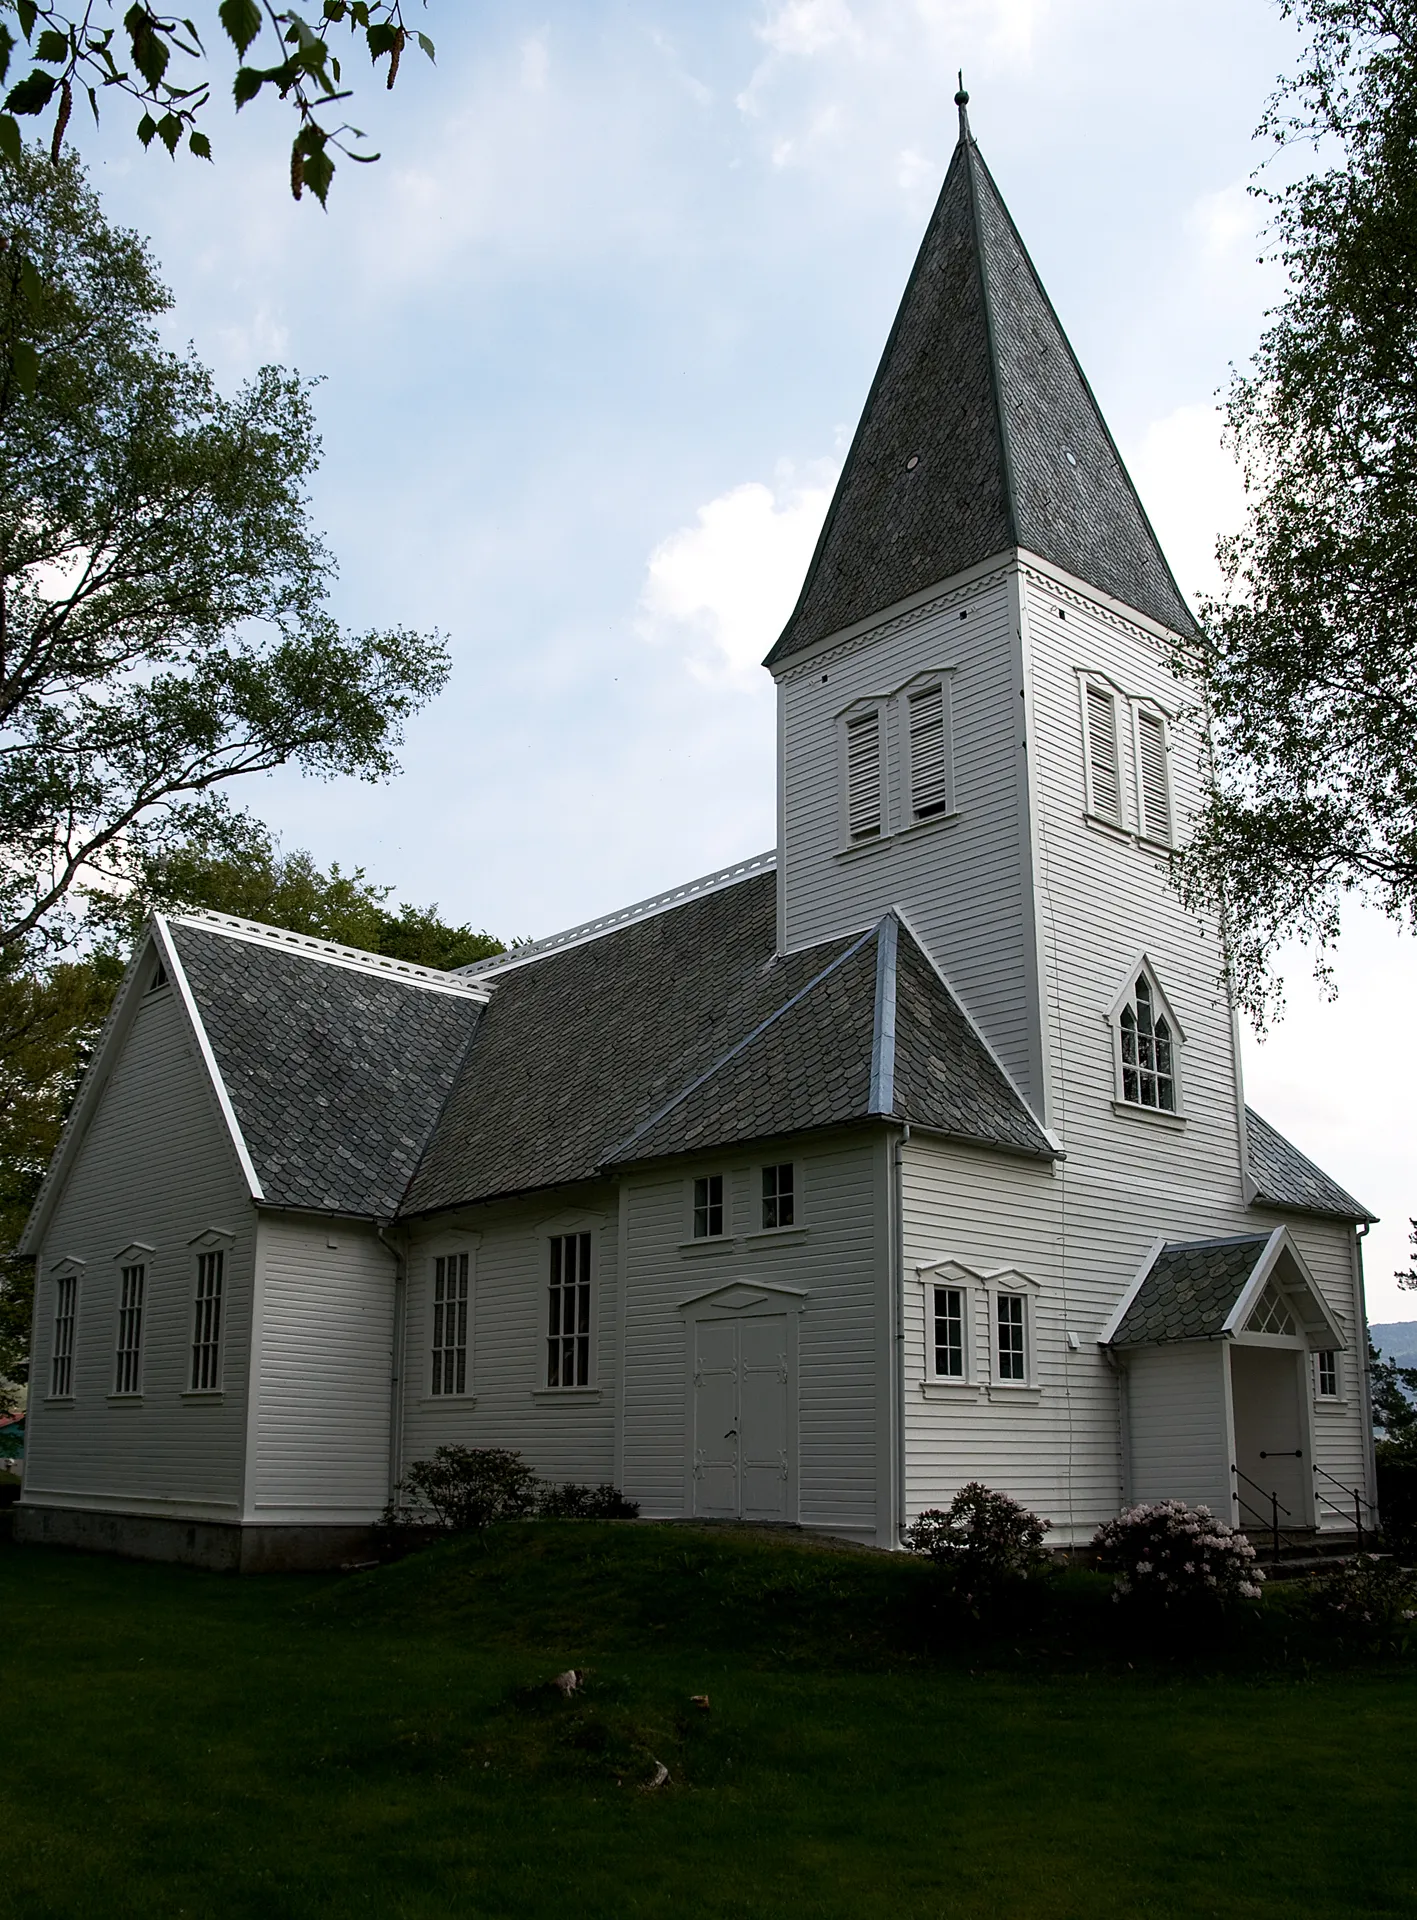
949	1332
568	1324
1009	1319
1326	1374
708	1207
450	1323
863	777
127	1363
61	1367
778	1198
929	753
1148	1052
1155	782
1104	779
206	1322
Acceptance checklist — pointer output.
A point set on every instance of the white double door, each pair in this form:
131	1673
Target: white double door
742	1469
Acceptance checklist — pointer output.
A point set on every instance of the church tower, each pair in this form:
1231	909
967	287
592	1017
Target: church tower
980	724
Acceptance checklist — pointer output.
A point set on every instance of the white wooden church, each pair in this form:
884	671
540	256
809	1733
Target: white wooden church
910	1153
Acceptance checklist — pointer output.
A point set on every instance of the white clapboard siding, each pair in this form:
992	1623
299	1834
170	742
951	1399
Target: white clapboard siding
563	1436
324	1359
155	1166
838	1260
959	878
1176	1444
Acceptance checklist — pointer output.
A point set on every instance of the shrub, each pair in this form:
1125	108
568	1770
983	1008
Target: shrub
984	1541
572	1502
1368	1602
1167	1553
463	1488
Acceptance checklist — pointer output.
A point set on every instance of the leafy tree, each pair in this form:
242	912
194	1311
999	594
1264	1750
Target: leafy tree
72	52
164	625
1394	1401
1310	669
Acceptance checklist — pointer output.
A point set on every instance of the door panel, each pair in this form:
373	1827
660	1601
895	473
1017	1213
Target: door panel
763	1417
716	1446
1265	1385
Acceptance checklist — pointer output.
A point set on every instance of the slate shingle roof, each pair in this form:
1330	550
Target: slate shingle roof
335	1075
685	1031
1190	1291
980	388
1286	1178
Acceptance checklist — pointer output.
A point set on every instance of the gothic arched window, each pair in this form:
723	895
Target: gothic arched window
1148	1049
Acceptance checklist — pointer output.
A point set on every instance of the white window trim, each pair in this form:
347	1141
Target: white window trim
1145	827
943	678
880	705
596	1225
1338	1398
73	1269
440	1248
758	1231
212	1240
137	1254
1090	681
949	1273
1016	1285
724	1239
1170	1117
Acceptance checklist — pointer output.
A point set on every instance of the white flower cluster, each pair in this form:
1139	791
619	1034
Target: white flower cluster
1168	1551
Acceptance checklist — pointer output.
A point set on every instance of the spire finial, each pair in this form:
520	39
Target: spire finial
962	102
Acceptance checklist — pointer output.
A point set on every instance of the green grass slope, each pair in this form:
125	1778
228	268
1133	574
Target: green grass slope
388	1743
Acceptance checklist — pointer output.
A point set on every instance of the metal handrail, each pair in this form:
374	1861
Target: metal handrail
1276	1505
1358	1499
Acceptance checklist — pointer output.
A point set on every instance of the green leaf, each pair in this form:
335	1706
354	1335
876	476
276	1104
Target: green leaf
147	127
29	13
25	362
31	285
200	145
242	20
427	46
335	9
169	131
11	144
382	38
33	94
53	47
150	54
248	83
7	47
319	171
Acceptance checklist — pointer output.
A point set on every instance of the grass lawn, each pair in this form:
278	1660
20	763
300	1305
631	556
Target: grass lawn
185	1743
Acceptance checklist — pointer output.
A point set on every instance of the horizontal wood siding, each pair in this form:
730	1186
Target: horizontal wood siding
325	1350
961	881
1176	1435
155	1165
563	1436
839	1261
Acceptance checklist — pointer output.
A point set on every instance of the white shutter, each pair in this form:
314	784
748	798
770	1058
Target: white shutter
929	764
1155	788
863	777
1102	754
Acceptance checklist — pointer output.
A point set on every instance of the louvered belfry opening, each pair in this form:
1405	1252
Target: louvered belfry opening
1102	766
863	776
1155	786
929	765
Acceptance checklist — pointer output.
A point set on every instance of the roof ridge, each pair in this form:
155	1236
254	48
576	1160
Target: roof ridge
677	1099
329	952
882	1098
586	930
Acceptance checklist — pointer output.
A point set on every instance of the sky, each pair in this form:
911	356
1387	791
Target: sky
593	336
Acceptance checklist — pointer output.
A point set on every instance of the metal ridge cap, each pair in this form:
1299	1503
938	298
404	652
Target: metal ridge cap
646	909
330	952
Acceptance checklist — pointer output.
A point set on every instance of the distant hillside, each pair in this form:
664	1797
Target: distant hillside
1395	1340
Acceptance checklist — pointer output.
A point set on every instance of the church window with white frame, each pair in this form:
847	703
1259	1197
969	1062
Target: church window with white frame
947	1323
206	1322
1326	1374
449	1344
1147	1049
1011	1338
128	1354
779	1198
1101	763
1154	776
928	746
568	1312
66	1311
865	782
708	1207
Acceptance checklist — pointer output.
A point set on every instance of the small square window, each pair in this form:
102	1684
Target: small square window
1010	1319
1326	1374
779	1208
708	1207
949	1332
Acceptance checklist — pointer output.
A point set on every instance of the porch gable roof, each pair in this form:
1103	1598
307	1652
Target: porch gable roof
1187	1292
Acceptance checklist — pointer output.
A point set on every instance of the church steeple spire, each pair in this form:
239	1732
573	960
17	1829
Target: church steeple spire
980	435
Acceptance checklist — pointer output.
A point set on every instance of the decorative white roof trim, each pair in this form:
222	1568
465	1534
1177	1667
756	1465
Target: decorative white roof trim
354	959
1123	1306
177	975
624	916
1095	600
879	626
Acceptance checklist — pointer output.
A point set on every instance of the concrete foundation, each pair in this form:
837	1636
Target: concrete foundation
215	1544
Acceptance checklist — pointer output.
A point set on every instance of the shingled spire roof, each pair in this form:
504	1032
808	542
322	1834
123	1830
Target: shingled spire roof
980	434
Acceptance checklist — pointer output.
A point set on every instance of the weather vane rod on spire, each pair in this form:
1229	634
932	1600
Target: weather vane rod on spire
962	102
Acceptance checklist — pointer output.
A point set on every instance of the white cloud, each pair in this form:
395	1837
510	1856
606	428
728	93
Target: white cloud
536	61
1192	489
807	27
1224	226
722	588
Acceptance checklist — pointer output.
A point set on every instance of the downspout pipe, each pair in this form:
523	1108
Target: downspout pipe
397	1356
1370	1461
898	1308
